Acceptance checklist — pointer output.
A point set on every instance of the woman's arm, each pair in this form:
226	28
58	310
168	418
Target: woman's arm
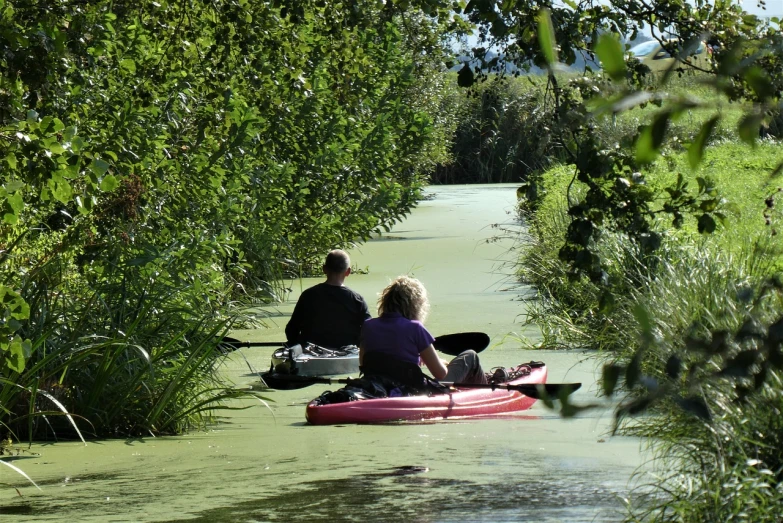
432	361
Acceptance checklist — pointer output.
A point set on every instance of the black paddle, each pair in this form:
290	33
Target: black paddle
451	344
291	382
455	344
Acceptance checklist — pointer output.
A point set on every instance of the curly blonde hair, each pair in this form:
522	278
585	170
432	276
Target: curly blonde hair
406	296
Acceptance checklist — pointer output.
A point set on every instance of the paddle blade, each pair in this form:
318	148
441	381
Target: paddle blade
548	390
455	344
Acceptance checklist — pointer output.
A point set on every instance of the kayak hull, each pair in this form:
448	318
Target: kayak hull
316	361
462	403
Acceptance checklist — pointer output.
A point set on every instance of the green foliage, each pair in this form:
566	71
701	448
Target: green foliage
690	332
727	469
501	133
166	163
14	350
746	67
694	330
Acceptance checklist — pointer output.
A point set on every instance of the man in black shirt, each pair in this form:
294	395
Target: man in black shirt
329	314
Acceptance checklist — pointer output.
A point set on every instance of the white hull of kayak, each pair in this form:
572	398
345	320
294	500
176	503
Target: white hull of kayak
317	362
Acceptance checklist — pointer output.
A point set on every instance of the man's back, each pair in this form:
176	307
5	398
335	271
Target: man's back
327	315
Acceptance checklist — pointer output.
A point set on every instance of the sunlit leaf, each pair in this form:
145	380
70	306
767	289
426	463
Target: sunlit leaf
14	356
546	36
128	65
109	183
651	138
696	150
610	52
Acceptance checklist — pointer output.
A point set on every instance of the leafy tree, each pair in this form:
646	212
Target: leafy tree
163	159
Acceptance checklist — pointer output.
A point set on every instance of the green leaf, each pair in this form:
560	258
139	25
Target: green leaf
13	304
546	37
128	65
14	356
643	319
651	138
610	52
45	122
759	81
10	159
13	186
60	188
109	183
696	150
16	202
99	167
56	149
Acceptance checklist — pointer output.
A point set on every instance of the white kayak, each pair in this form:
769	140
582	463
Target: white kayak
312	360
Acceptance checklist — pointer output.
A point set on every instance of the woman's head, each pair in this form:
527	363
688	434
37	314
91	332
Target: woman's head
406	296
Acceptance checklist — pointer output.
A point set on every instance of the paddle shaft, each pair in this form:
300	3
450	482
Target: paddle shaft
451	344
241	344
532	390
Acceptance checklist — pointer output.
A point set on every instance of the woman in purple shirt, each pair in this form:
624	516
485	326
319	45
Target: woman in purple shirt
396	343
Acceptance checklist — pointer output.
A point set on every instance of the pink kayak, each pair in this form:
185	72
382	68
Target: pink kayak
464	402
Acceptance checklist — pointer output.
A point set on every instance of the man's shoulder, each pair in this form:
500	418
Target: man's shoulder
324	289
353	293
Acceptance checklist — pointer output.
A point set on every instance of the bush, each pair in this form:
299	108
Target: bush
502	133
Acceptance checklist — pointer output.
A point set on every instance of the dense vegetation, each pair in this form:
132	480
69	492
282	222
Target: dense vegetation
690	319
660	247
165	163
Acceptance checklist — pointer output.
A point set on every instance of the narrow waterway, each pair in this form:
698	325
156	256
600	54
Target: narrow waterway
265	463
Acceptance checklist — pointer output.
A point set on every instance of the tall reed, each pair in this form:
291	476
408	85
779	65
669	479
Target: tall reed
127	348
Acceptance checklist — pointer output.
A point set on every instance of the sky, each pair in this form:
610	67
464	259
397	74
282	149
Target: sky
774	8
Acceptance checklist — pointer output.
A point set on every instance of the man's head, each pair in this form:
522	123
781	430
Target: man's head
337	263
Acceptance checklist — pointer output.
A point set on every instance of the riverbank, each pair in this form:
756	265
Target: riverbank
690	329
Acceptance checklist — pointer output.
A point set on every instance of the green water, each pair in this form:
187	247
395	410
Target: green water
266	464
